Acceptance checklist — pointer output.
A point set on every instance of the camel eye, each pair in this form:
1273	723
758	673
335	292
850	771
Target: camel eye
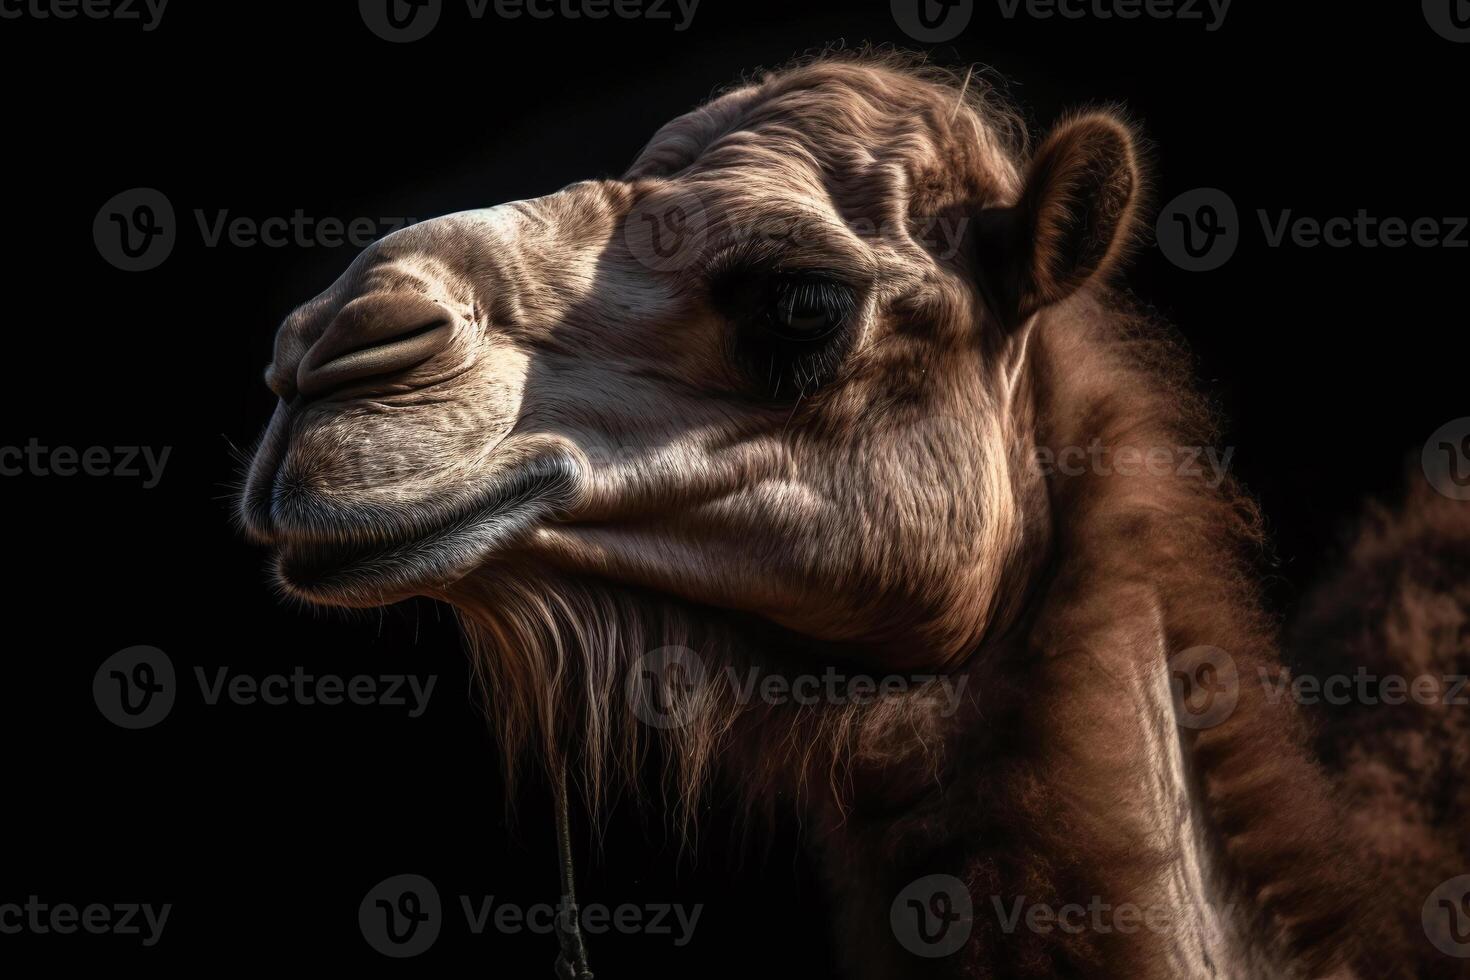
808	307
792	329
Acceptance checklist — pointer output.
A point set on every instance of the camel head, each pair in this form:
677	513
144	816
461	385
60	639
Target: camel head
776	371
777	398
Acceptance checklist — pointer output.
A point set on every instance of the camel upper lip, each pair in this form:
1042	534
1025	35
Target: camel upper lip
372	553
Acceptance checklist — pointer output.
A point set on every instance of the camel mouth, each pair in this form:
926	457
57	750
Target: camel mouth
372	559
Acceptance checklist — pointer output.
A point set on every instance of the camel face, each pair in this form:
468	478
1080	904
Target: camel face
770	370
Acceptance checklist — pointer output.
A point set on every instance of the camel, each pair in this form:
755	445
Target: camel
836	382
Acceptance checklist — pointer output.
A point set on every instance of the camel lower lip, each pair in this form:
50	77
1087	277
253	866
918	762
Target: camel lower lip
357	573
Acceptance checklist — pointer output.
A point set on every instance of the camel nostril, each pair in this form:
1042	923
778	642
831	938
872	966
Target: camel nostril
325	369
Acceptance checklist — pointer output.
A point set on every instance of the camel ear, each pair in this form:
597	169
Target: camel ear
1074	218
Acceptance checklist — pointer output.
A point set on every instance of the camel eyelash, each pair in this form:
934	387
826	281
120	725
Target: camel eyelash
807	307
792	327
746	283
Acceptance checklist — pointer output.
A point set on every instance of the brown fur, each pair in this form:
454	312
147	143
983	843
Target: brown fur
879	510
1400	605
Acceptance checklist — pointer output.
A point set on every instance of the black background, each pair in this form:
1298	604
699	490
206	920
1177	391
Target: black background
265	826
